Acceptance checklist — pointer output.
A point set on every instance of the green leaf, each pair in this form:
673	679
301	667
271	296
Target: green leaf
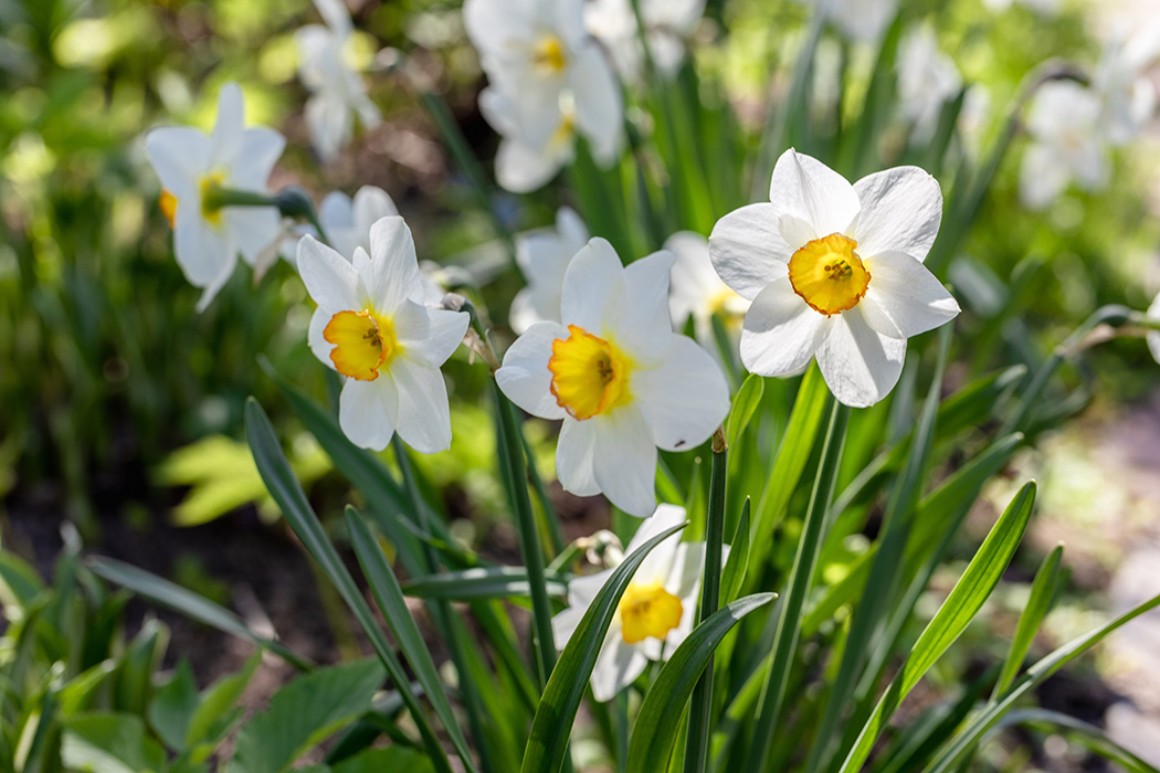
655	731
966	598
490	582
1088	735
393	758
188	603
105	742
173	706
1034	676
19	584
304	713
75	694
283	486
745	403
552	724
737	563
1038	603
218	710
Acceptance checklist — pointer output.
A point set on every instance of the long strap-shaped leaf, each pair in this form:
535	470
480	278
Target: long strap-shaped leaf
286	491
552	724
952	618
655	730
1036	675
1084	733
480	582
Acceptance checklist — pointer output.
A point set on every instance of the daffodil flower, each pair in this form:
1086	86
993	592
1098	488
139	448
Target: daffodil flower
371	327
543	255
656	612
927	79
337	90
549	82
195	169
668	24
348	221
1127	94
835	273
697	291
613	370
1064	123
858	20
1153	336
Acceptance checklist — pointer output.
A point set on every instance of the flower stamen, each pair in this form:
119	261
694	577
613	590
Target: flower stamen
548	56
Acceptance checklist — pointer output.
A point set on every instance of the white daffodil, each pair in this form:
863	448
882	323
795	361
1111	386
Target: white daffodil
835	272
348	221
927	79
617	375
543	256
668	24
697	291
656	612
337	91
1127	94
858	20
1153	336
1042	7
1064	124
548	82
371	328
194	169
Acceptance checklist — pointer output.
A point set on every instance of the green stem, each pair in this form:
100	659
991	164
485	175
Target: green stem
701	708
801	577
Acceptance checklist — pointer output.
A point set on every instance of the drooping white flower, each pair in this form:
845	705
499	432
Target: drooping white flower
927	79
697	291
1127	94
371	327
835	273
1066	144
1153	336
543	256
193	169
668	24
548	83
858	20
613	370
656	612
337	92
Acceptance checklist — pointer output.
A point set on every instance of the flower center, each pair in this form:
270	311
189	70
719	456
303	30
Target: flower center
363	341
208	186
589	375
168	204
548	56
648	610
829	275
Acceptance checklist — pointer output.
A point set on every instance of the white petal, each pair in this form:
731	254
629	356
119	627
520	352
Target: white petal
523	314
781	332
314	336
626	460
493	24
564	624
226	141
253	229
747	249
859	365
329	122
215	284
1043	175
525	377
901	212
335	14
179	155
809	190
684	399
261	149
394	268
329	278
617	666
657	565
644	325
520	168
1153	336
445	333
336	214
371	204
424	414
573	232
594	286
367	412
904	298
599	112
576	457
203	252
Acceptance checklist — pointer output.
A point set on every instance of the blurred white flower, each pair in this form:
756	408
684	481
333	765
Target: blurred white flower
543	256
858	20
697	291
974	117
1153	336
1127	94
371	327
613	370
207	234
927	80
348	221
656	612
1042	7
835	272
1066	143
337	91
549	82
668	24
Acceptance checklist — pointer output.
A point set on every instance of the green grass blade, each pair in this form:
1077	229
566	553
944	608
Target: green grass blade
745	403
737	563
284	488
657	723
552	724
1043	589
490	582
966	598
1088	735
